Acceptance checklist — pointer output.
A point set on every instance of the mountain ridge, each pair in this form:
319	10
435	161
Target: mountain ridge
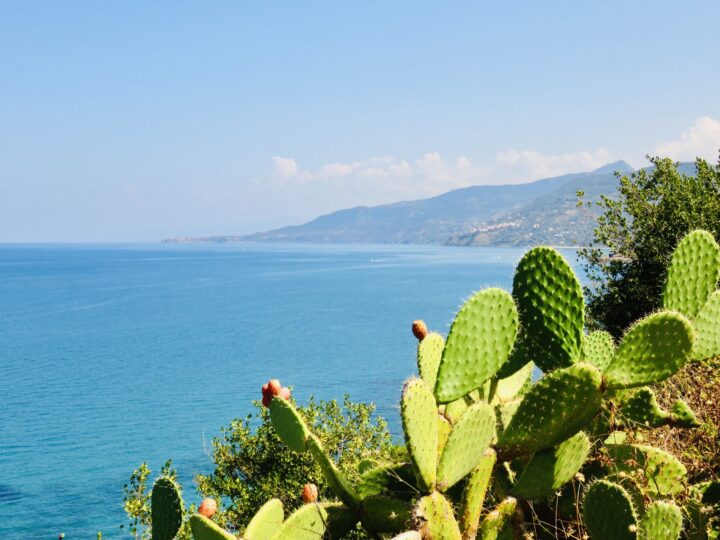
542	211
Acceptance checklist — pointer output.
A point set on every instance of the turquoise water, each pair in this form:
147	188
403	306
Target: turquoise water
112	355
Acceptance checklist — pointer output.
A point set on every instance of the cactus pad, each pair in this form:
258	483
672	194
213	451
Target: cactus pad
474	494
383	514
550	469
166	509
497	519
510	387
693	273
419	418
642	408
289	424
204	529
551	307
662	521
396	480
598	349
312	522
659	472
433	518
265	521
337	482
429	353
652	350
444	429
707	329
480	340
465	447
555	408
609	513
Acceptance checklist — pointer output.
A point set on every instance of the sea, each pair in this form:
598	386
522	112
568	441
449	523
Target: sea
114	355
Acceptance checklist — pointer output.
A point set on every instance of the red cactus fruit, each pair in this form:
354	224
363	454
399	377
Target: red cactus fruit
419	330
266	401
274	387
309	493
284	393
208	507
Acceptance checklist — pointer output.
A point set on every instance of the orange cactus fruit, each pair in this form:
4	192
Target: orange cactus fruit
309	493
419	330
208	507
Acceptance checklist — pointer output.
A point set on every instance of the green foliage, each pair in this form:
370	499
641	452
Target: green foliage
641	226
252	465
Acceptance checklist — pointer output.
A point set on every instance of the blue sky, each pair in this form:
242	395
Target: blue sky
134	121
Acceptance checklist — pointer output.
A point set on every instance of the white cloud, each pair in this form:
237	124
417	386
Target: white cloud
284	167
701	140
530	164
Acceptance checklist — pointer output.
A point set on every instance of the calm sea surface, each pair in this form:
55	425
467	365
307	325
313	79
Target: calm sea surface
112	355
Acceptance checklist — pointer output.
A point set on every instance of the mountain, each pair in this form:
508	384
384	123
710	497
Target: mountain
477	215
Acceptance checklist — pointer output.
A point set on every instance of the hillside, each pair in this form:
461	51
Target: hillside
543	210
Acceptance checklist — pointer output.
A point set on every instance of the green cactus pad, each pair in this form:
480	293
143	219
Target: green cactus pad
166	509
550	469
266	521
383	514
660	473
551	307
707	329
609	513
662	521
444	429
429	353
396	480
204	529
465	447
642	408
455	409
341	520
314	522
335	479
496	521
419	417
598	349
289	425
693	273
480	340
511	387
433	517
653	349
474	494
558	406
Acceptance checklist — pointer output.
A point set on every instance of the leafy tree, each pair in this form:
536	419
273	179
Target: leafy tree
636	233
252	465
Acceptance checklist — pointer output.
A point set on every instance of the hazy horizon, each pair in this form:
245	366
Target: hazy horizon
137	122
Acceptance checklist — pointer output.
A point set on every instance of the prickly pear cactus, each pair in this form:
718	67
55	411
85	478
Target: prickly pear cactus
652	350
429	353
557	407
419	417
598	349
473	497
166	509
707	329
609	513
205	529
498	519
662	521
289	424
434	518
549	470
693	274
551	307
480	340
265	522
660	473
469	439
642	409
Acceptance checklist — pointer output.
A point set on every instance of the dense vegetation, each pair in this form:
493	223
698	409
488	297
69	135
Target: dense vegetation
636	233
601	446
